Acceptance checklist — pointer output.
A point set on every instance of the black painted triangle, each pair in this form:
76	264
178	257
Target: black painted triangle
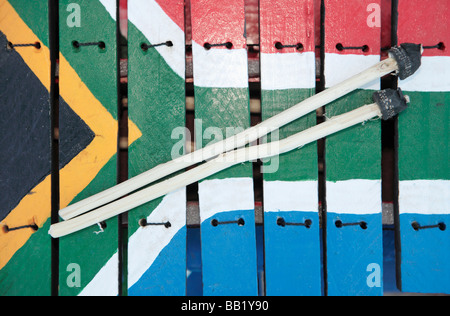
25	150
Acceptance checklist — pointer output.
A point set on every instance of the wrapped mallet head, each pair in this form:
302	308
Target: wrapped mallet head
391	102
408	57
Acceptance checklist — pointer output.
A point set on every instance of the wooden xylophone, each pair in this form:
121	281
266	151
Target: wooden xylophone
95	92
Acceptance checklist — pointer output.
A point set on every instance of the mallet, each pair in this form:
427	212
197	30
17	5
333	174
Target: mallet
387	104
404	60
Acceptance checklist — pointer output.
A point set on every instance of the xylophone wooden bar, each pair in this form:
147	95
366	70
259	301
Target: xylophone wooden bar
221	86
156	103
353	157
88	140
25	159
288	76
423	157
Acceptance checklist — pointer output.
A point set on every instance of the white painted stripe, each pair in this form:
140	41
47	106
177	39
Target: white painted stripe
355	196
340	67
105	282
219	68
288	71
158	27
144	246
224	195
289	196
146	243
424	196
111	7
433	76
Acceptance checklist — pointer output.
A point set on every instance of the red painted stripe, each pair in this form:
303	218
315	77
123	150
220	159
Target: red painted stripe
425	22
286	21
353	23
386	18
174	9
217	22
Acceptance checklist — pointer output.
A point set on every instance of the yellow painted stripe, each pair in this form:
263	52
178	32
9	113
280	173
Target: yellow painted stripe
77	174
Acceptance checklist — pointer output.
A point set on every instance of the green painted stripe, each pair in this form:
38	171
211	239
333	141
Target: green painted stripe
300	164
424	138
354	153
220	109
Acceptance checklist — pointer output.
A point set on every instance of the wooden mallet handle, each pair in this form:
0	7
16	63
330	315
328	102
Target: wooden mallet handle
406	55
226	160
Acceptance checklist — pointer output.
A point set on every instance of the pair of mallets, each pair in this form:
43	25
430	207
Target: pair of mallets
404	60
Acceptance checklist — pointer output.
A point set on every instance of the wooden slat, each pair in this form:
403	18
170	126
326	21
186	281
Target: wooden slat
25	159
354	254
292	252
88	140
156	83
423	156
221	104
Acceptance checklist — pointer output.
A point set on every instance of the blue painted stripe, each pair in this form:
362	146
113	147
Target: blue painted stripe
292	254
167	275
229	255
355	255
425	254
